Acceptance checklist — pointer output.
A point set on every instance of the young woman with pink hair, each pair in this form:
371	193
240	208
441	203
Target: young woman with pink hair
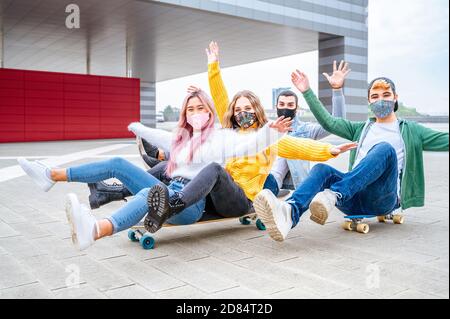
195	145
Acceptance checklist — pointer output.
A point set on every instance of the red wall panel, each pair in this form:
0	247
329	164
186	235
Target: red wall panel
44	106
10	74
12	106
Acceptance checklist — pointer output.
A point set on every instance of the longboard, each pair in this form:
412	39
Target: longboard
356	222
138	233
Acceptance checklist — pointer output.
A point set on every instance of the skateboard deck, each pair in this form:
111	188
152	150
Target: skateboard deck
356	222
138	233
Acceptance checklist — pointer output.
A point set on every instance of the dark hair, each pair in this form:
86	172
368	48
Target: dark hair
391	84
288	93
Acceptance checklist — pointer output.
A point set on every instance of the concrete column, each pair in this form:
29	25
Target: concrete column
353	51
88	55
2	53
148	104
128	62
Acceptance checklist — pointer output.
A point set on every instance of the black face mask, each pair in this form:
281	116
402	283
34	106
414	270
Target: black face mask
287	113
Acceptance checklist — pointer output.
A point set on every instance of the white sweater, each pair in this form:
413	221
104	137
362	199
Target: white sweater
221	145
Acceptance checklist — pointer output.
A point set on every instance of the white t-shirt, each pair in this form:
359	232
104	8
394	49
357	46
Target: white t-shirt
384	132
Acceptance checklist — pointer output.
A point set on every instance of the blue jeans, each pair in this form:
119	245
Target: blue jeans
369	189
138	183
189	215
271	184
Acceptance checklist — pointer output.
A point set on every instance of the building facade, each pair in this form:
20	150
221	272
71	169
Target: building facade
158	40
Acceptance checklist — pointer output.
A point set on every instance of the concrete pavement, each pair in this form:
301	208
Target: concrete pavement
217	260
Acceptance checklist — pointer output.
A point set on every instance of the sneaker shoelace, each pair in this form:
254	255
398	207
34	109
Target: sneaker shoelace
338	196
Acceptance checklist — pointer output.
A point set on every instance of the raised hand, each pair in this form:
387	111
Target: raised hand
300	81
282	124
337	79
339	149
212	52
193	89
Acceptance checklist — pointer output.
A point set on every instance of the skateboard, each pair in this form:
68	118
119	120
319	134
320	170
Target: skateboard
356	222
138	233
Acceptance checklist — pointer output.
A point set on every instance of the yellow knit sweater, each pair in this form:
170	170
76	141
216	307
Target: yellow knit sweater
250	172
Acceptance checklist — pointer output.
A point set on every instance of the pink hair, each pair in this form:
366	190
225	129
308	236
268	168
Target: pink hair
185	131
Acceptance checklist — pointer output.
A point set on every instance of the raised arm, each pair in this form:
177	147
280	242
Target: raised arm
339	109
340	127
216	86
336	81
306	149
159	138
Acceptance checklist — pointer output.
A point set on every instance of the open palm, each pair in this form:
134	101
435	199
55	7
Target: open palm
339	149
282	124
300	81
337	79
212	52
193	89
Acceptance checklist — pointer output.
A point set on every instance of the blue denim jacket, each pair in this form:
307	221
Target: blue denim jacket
298	169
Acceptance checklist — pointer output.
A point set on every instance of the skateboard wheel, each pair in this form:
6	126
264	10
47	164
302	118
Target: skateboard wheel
362	228
132	236
399	219
381	219
347	225
245	220
147	242
260	225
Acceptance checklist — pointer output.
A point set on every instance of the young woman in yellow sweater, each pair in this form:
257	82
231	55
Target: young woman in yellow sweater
233	188
246	114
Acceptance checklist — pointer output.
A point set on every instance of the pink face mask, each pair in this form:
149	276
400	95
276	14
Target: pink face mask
198	121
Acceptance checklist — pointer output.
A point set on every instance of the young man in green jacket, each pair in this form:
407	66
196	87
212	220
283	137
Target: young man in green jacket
386	170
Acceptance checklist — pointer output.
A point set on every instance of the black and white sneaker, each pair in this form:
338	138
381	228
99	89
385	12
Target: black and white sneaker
148	152
161	206
150	161
150	149
102	193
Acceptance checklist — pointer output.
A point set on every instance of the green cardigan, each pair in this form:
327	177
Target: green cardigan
416	137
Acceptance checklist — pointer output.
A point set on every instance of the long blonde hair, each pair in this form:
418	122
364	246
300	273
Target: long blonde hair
228	120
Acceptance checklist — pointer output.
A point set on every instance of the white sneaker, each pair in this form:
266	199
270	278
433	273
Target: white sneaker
274	213
322	205
38	172
82	223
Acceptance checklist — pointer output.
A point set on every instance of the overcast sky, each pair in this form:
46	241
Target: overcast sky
408	42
